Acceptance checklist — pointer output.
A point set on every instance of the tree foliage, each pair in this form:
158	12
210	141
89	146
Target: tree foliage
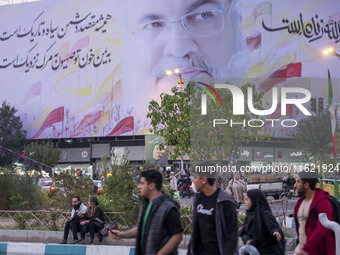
222	141
67	186
121	193
12	134
314	136
44	152
171	119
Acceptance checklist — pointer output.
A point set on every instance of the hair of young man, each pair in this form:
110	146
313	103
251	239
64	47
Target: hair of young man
310	178
153	176
311	181
77	197
211	181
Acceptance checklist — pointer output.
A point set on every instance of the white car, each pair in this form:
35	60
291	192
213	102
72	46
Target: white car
45	183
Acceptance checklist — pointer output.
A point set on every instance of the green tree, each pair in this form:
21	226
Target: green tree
12	134
44	152
67	186
211	141
314	136
171	119
121	193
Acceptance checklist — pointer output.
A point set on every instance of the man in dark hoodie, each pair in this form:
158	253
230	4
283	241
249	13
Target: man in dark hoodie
313	238
214	221
159	228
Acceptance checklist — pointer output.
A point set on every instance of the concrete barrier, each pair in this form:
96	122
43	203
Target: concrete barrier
10	248
54	237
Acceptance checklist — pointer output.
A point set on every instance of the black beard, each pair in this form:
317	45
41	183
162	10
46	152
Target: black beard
76	207
301	193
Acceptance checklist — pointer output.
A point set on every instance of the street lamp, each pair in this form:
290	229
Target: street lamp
178	74
332	52
180	84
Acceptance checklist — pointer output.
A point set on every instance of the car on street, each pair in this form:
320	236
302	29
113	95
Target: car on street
45	184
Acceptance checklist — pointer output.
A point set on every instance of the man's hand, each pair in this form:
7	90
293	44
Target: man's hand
249	241
80	214
115	234
84	222
277	235
69	218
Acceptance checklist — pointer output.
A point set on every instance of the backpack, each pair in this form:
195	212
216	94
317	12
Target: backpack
336	210
111	225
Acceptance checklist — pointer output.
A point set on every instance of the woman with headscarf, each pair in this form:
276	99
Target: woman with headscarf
93	222
260	227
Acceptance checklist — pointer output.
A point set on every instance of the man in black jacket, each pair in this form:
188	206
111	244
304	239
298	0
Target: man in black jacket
73	221
214	221
159	228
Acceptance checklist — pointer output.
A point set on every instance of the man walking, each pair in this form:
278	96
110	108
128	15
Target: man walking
73	221
214	221
159	228
313	238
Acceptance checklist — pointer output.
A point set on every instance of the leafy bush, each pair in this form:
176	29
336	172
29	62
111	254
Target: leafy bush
68	186
19	193
186	218
122	194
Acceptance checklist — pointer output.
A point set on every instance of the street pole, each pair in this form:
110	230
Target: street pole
180	85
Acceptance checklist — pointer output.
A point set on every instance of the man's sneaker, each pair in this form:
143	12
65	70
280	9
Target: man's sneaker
75	241
81	241
63	241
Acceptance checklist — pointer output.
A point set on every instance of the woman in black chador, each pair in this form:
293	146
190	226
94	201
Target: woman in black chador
260	227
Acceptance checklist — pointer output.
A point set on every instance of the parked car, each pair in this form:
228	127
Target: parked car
98	187
46	184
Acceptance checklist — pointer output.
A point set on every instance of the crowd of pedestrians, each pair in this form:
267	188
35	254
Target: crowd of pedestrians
215	227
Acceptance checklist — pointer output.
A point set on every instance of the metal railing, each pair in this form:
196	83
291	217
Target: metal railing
54	220
279	209
47	220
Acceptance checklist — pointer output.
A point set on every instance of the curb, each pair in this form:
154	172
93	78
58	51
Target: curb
10	248
54	249
54	237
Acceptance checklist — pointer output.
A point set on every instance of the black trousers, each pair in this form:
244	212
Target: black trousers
75	227
89	227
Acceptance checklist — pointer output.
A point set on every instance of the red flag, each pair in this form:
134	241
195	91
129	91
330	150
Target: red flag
55	116
125	125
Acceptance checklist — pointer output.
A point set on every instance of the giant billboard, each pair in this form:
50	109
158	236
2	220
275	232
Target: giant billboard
85	68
